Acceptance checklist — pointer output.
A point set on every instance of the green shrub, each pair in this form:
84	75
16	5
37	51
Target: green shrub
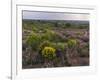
48	35
83	52
33	41
72	43
68	24
49	53
44	44
51	35
57	45
61	46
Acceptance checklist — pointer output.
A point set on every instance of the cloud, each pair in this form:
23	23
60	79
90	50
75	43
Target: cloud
54	16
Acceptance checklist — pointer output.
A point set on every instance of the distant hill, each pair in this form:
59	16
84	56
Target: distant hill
75	23
67	21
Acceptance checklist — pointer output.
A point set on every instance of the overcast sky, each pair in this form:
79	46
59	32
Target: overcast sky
54	16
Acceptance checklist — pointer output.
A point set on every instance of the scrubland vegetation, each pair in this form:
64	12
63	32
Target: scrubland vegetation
52	43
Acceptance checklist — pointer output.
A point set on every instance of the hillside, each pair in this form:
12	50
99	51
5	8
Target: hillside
55	43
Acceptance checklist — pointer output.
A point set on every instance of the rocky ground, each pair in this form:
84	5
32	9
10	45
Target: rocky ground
77	57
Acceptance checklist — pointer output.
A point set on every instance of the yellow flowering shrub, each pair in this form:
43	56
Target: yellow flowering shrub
49	52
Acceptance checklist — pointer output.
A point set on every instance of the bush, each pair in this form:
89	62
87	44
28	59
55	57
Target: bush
72	43
68	24
48	35
33	41
49	53
51	35
61	46
58	45
44	44
83	52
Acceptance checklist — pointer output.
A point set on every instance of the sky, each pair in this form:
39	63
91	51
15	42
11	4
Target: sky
54	16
